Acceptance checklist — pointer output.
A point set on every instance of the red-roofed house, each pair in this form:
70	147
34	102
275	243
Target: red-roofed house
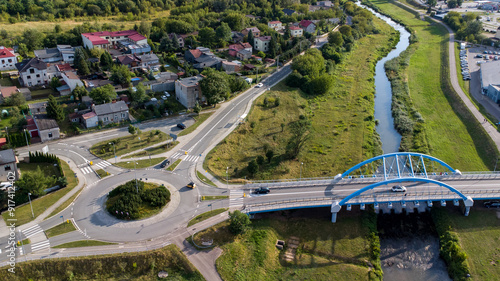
7	92
105	39
8	59
262	43
192	55
255	31
275	24
235	48
296	31
307	25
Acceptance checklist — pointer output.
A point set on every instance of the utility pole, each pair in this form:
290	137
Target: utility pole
27	143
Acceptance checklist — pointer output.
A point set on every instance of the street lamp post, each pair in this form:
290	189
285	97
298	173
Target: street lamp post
27	143
494	170
227	177
135	175
114	151
301	163
29	197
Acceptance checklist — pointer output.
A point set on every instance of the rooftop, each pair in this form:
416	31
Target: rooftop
6	52
264	38
47	53
8	91
28	63
490	73
88	115
7	156
190	81
71	75
274	22
64	67
108	108
44	123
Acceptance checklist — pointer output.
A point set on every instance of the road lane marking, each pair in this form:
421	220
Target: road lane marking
103	137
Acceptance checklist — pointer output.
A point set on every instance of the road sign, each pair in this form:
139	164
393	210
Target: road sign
174	136
45	149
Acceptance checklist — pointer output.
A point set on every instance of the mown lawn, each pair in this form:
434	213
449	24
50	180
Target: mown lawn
124	145
343	125
60	229
47	168
83	243
154	150
140	163
326	251
449	127
479	234
205	216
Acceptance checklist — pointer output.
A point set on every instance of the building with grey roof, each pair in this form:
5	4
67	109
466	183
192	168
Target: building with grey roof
114	112
47	128
8	162
32	72
188	91
48	55
490	80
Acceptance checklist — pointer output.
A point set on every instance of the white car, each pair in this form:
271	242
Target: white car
398	188
260	85
5	185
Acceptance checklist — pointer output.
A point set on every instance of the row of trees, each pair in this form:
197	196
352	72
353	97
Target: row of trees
467	28
217	85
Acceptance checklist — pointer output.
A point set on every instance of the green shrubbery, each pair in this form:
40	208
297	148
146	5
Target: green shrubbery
370	221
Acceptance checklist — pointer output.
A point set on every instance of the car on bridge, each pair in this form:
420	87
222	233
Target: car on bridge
492	204
398	188
262	190
191	185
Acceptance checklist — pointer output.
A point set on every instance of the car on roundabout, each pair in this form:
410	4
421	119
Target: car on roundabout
191	185
262	190
398	188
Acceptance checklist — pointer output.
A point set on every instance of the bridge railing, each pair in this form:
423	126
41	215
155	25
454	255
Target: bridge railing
290	203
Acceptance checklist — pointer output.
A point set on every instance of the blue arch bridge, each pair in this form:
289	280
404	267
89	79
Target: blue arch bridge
428	180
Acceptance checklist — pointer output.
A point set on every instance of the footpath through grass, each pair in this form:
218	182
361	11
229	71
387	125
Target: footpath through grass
198	120
449	125
342	120
205	216
123	266
23	213
127	144
83	243
59	229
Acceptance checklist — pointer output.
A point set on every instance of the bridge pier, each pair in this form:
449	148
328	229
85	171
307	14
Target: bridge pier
468	203
335	209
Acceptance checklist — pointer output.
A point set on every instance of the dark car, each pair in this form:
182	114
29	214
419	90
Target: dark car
492	204
165	163
181	126
262	190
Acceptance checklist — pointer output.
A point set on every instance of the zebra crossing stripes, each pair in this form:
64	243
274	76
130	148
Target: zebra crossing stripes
86	170
28	232
191	158
177	155
102	164
236	198
40	245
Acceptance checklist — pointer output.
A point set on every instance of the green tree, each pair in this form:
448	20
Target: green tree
300	134
273	46
34	182
103	94
214	86
335	38
132	130
269	155
311	63
16	99
431	3
83	66
253	167
106	60
320	85
197	108
79	92
33	39
235	21
238	222
54	109
139	95
144	28
250	38
223	32
54	83
206	36
120	74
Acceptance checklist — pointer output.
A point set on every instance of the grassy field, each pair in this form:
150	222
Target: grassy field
59	229
478	234
205	216
209	198
123	266
204	179
140	164
174	165
26	241
102	173
124	145
64	205
23	213
83	243
326	251
6	82
154	150
343	126
47	169
447	123
198	120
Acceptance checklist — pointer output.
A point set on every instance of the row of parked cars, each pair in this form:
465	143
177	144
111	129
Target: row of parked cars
465	65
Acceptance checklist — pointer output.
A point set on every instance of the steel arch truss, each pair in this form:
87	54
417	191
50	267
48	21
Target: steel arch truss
400	165
371	186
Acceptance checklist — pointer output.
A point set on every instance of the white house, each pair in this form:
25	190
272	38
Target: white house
275	24
114	112
296	31
90	119
308	26
8	59
32	72
262	43
71	79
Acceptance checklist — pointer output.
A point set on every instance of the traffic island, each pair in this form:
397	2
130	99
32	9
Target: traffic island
137	200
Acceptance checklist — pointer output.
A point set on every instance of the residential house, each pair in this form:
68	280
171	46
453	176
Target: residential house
244	54
47	128
164	81
8	59
235	48
63	67
308	26
108	39
296	31
90	119
32	72
237	36
88	101
74	117
288	12
6	92
179	39
192	55
327	4
131	61
8	162
64	53
255	31
262	43
249	67
149	60
71	79
37	108
275	24
231	67
188	91
67	53
114	112
202	57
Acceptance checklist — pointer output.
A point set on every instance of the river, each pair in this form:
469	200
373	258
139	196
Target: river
409	249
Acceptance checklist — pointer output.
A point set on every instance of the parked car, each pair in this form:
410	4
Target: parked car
260	85
485	52
181	126
164	163
191	185
399	188
492	204
262	190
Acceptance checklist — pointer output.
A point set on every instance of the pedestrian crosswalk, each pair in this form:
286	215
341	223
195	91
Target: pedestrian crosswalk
86	170
28	232
102	164
236	198
177	155
191	158
40	245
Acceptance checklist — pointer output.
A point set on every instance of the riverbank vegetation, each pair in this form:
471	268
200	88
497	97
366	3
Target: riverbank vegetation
325	251
447	123
123	266
340	128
